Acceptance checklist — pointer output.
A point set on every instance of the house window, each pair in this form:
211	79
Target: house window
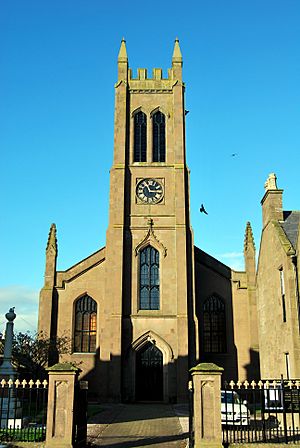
159	137
149	279
282	291
214	326
140	137
85	325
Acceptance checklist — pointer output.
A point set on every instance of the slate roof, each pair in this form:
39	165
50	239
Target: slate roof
290	226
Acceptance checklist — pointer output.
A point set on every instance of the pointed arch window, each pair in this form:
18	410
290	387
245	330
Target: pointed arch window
159	137
214	325
149	279
140	137
85	325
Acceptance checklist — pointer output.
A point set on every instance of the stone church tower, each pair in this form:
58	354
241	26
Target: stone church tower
149	218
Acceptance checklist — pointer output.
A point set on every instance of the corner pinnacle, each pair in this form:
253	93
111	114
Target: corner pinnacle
249	240
52	242
177	56
122	57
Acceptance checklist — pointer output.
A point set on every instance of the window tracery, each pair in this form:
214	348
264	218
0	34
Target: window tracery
85	329
214	325
149	279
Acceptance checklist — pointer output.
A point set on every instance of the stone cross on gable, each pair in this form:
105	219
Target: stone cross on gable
150	223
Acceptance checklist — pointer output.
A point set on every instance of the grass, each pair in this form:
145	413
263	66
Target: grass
22	435
26	445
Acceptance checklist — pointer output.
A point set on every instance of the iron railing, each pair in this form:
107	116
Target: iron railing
23	409
264	412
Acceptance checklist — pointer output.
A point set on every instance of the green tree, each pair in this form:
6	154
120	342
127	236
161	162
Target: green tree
32	353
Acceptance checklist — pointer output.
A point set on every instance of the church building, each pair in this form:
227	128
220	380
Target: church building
150	305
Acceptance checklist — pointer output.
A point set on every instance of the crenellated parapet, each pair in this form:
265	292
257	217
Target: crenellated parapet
143	83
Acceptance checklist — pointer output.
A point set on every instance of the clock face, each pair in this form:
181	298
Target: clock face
149	191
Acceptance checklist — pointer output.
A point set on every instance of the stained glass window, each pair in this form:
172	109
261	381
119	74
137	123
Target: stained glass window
214	325
149	279
85	325
140	137
159	137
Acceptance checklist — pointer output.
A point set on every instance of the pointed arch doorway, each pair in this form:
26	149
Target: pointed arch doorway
149	374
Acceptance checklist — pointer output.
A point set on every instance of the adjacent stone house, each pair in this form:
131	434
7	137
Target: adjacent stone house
278	287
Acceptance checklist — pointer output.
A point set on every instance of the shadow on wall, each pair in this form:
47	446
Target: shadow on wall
139	383
253	368
213	279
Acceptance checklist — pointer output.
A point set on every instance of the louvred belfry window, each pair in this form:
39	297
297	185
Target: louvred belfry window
159	137
214	325
85	325
140	137
149	279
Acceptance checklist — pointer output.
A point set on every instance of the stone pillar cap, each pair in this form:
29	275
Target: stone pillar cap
63	366
206	367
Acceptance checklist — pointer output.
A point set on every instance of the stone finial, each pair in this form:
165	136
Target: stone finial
270	183
248	240
52	241
177	56
11	315
122	57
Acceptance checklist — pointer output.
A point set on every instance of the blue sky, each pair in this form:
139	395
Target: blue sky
57	75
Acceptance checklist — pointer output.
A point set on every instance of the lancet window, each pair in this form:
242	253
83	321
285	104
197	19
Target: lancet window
140	137
159	137
149	279
85	325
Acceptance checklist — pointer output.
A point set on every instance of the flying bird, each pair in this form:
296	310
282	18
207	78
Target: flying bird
234	154
202	209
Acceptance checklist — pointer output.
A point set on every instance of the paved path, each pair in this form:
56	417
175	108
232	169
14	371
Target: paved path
139	425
